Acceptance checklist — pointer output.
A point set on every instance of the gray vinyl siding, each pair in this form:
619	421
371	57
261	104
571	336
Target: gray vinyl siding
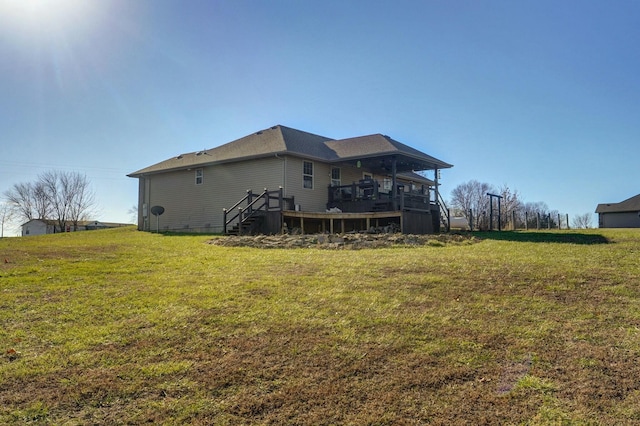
351	174
199	208
312	200
620	220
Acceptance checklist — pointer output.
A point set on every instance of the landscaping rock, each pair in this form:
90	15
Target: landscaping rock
352	241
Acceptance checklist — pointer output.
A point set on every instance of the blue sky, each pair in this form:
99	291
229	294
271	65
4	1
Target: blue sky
542	96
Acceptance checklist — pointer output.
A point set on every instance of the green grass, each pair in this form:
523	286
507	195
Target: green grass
125	327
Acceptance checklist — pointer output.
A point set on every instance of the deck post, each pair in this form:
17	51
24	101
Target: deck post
436	191
239	220
394	183
249	199
280	198
224	221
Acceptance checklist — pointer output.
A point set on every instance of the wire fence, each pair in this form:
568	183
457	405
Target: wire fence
515	220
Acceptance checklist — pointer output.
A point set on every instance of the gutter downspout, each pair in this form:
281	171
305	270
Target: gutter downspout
284	173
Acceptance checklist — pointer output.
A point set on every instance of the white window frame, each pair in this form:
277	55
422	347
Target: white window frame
336	181
307	177
387	183
199	176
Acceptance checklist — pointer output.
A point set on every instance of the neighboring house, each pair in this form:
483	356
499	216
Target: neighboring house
48	226
282	178
625	214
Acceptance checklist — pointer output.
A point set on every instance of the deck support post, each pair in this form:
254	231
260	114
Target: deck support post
394	183
436	191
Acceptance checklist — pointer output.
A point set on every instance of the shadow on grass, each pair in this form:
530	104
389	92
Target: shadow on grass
543	237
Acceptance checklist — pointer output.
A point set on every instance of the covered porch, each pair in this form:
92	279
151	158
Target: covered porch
369	195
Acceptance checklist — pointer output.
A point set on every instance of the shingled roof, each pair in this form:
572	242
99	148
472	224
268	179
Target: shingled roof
285	140
629	205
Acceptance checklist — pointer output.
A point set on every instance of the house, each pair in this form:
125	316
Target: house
625	214
48	226
283	178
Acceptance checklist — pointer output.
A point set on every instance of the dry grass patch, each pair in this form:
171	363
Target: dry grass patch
122	327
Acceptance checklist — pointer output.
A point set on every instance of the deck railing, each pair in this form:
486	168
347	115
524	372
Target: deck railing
445	214
254	205
367	195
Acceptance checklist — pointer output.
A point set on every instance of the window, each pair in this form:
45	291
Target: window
387	184
367	176
199	176
335	176
307	175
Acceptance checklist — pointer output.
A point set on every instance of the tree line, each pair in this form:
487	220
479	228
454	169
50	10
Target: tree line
62	196
471	201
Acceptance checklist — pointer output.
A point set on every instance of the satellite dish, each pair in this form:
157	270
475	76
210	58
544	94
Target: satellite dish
157	210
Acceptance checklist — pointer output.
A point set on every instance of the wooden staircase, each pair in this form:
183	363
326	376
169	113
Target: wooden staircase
246	217
247	226
445	218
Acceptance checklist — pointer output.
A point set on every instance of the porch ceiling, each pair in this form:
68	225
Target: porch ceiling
404	163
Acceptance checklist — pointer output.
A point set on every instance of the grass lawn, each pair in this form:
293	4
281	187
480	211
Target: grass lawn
126	327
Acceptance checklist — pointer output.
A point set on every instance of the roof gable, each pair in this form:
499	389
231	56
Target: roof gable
629	205
376	145
271	141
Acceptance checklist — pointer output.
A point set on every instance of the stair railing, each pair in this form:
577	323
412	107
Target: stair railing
255	204
445	215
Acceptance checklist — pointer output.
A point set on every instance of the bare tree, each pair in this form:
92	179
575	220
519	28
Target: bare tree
40	199
82	200
472	196
61	196
581	221
133	212
20	197
56	188
6	214
539	215
509	204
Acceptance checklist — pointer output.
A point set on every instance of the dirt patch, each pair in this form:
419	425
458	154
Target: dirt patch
353	241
